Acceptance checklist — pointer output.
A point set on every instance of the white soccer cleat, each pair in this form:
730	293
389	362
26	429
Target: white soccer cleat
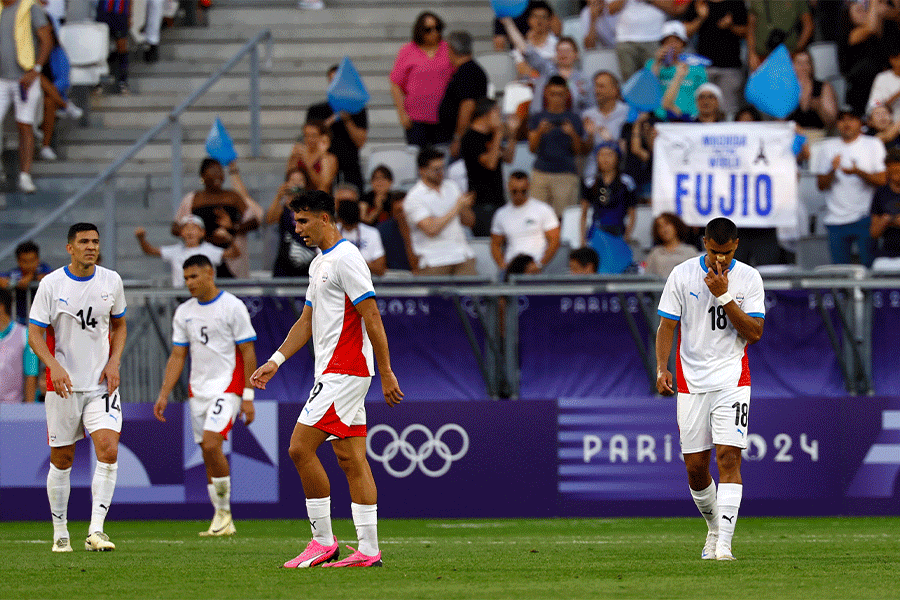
222	524
723	552
709	548
61	545
98	542
26	184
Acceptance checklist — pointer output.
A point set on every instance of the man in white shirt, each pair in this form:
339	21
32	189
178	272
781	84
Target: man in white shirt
192	233
886	87
523	226
365	237
719	304
436	212
849	169
638	28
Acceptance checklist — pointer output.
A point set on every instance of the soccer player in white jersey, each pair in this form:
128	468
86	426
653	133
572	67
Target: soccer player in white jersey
215	326
81	309
719	303
343	320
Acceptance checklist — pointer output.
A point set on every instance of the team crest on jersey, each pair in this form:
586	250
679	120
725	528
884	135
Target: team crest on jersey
104	296
324	277
739	298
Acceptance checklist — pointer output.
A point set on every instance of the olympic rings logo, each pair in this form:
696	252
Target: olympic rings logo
434	444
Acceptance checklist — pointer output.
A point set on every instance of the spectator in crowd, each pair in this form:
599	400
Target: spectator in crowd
227	215
564	64
377	205
818	101
501	42
24	47
639	163
666	64
436	212
603	122
540	36
468	83
311	155
117	14
486	144
720	27
637	31
826	15
18	364
748	114
55	85
774	22
29	270
192	233
524	226
886	87
584	261
365	237
418	80
294	256
707	99
865	30
885	227
611	195
883	126
670	247
146	24
347	134
521	264
849	169
555	136
598	25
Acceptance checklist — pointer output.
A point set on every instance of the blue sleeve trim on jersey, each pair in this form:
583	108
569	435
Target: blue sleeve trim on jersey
249	339
760	315
363	297
667	315
181	343
309	304
39	324
120	315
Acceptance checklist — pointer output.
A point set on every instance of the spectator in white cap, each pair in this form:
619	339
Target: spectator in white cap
192	233
669	66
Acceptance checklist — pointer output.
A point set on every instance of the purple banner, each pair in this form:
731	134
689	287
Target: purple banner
885	340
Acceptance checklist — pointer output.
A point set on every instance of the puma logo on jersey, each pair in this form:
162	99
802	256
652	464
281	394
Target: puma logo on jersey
695	295
729	519
64	301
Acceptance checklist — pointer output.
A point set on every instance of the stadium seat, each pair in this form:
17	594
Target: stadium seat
484	262
400	160
571	27
87	44
500	68
570	224
643	226
514	94
601	59
825	60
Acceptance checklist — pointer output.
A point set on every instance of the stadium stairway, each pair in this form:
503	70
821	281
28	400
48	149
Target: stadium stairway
305	44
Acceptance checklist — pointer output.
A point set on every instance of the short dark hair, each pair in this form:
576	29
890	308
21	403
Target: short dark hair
893	156
197	260
207	163
557	80
721	230
313	201
567	39
418	30
585	256
750	110
539	4
384	170
331	69
78	228
426	155
27	248
681	230
6	300
483	106
519	174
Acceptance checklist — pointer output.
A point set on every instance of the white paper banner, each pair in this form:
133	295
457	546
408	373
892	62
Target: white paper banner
744	171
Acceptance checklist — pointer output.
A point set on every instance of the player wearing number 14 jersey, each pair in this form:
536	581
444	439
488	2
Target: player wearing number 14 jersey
215	326
81	309
720	306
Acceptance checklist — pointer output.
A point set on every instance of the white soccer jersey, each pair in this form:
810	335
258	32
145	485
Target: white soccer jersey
339	279
212	330
76	312
711	354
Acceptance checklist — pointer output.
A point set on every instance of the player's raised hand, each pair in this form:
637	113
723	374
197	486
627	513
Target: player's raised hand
59	377
664	382
391	388
111	375
717	279
262	375
247	411
160	407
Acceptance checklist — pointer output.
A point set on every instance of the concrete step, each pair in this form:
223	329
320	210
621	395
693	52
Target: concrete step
313	86
231	116
158	100
260	17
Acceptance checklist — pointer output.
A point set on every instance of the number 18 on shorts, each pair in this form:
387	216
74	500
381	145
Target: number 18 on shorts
714	418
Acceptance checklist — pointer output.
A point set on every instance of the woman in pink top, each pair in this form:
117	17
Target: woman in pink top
419	78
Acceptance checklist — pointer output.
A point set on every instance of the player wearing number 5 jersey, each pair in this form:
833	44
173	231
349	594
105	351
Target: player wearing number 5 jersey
720	306
215	326
342	319
81	309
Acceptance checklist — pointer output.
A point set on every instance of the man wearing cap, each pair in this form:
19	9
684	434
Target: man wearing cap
667	66
192	233
637	30
708	98
848	169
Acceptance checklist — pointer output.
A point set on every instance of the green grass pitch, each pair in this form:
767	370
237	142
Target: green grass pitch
821	558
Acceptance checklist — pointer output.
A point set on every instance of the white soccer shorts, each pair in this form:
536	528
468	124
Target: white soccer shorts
336	405
69	418
11	93
710	419
214	414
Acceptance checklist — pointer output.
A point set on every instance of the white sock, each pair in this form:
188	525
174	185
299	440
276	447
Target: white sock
58	487
220	492
705	500
319	512
102	487
729	504
365	518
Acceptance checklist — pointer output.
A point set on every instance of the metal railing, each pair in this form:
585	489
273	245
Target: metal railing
172	122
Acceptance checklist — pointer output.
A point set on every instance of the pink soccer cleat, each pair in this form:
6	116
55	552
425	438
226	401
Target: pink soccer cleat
358	559
315	554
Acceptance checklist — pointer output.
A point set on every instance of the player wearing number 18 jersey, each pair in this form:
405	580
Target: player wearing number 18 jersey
720	306
81	309
215	326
